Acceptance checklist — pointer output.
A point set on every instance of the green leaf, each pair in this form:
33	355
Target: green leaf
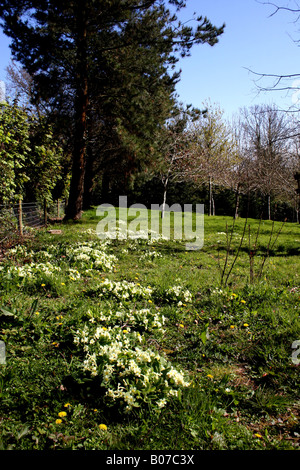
23	433
33	308
203	337
6	312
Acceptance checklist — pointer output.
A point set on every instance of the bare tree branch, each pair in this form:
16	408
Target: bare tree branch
278	79
278	8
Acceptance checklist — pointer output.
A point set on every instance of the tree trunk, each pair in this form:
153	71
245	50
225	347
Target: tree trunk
105	188
237	202
269	207
165	198
75	203
88	182
210	196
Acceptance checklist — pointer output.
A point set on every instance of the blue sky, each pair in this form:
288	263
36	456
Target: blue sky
252	40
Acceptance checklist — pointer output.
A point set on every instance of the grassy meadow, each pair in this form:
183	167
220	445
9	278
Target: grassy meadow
145	345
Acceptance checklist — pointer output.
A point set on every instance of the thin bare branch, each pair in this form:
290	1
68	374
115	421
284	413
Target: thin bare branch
278	8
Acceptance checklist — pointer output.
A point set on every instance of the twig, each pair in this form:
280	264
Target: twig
268	247
252	252
237	253
228	248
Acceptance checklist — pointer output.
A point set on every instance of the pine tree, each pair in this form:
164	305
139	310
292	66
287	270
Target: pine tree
74	50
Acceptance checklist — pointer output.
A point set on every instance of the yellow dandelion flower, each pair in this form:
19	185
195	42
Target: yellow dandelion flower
58	421
63	284
210	376
258	435
43	285
245	325
103	427
62	414
67	405
232	327
181	325
243	301
37	313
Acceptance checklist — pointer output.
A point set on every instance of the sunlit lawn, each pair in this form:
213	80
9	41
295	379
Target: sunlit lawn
232	340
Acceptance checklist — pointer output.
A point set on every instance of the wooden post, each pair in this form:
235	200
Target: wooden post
45	212
20	219
58	208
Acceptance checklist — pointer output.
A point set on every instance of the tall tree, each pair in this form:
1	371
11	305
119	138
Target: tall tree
239	175
214	154
175	150
267	133
291	188
59	43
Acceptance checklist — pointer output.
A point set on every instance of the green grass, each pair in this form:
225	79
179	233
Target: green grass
232	340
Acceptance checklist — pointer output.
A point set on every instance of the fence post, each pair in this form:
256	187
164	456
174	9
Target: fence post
45	212
20	218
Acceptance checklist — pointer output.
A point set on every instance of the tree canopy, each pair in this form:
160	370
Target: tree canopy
30	158
110	61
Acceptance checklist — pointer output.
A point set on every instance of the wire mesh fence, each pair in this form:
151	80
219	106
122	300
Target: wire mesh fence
19	219
31	213
55	212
